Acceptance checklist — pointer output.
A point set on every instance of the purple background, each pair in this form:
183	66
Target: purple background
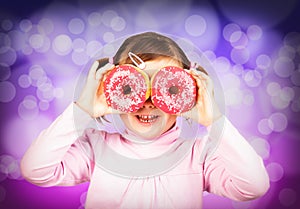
254	47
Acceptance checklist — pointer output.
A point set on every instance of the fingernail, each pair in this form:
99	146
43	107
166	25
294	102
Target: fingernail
96	63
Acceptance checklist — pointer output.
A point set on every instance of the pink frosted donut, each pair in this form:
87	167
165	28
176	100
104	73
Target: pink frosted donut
126	88
173	90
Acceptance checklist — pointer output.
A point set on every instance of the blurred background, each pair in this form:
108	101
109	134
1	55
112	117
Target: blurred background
252	46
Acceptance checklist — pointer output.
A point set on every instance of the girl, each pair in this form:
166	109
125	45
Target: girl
147	164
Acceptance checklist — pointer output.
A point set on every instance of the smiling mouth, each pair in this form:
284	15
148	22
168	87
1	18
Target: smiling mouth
147	118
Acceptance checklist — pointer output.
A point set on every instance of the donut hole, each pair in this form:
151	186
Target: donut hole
174	90
126	89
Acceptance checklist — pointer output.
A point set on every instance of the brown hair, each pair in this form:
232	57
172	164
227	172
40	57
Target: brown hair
150	46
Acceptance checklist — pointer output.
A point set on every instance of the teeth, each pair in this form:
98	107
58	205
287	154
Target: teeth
147	118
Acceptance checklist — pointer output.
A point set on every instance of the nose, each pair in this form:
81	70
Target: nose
148	104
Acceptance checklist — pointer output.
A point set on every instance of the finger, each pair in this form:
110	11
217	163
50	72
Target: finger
198	72
208	81
201	83
93	69
103	70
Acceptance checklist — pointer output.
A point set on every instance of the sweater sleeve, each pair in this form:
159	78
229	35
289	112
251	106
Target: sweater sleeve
233	169
56	157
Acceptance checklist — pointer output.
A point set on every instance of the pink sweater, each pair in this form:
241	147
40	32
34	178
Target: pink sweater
143	179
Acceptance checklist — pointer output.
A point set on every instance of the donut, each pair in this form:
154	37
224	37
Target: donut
126	88
173	90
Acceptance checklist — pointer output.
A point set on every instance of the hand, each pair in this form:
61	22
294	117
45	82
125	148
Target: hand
206	110
92	98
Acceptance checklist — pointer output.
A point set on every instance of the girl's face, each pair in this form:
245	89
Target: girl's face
150	122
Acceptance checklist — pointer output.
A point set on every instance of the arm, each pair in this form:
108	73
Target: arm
233	169
56	157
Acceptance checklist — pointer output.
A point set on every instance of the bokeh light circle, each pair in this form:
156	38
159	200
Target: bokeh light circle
284	67
36	72
261	146
79	45
7	24
10	166
76	26
263	61
210	55
93	47
30	102
278	102
279	121
4	72
19	40
273	88
80	58
44	105
292	39
237	69
265	126
254	32
287	197
239	40
5	41
287	51
62	44
275	171
221	64
229	29
195	25
108	16
248	98
108	37
47	25
27	50
36	41
295	77
252	78
94	19
8	91
287	94
45	91
118	24
8	56
240	56
25	25
27	110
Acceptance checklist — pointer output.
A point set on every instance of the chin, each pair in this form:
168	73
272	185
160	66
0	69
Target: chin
147	134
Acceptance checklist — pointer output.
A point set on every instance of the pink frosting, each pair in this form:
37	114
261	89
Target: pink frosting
125	89
173	90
